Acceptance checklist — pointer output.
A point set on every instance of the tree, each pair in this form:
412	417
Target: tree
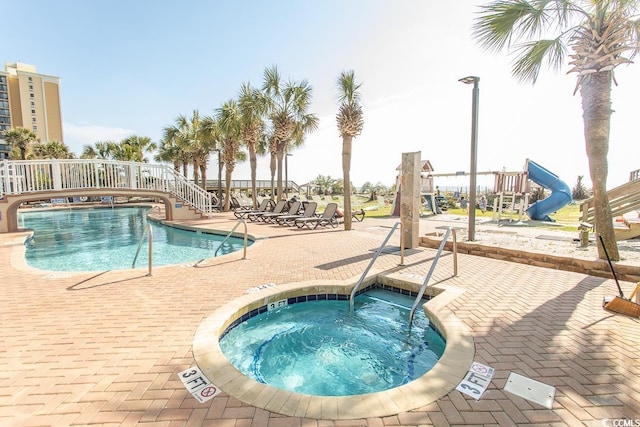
251	108
170	153
52	150
601	35
194	142
100	150
20	138
579	192
350	122
175	139
228	117
287	105
138	146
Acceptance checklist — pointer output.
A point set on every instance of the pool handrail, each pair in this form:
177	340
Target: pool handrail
244	255
147	231
433	267
375	257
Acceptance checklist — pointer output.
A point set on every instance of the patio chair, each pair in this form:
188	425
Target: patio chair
328	217
265	205
294	207
309	211
277	209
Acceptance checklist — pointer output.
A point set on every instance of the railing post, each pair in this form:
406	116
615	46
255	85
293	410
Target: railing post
5	175
96	173
55	174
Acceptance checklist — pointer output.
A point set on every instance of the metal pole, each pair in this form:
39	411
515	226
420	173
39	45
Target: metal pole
286	176
474	153
219	182
474	161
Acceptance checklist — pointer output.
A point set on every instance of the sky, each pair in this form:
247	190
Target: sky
131	67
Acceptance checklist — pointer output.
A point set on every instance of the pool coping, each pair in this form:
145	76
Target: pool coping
439	381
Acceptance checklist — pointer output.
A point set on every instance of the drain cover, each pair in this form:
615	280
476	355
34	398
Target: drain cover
529	389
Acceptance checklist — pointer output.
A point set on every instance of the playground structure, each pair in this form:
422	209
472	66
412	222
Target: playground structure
512	191
623	200
427	191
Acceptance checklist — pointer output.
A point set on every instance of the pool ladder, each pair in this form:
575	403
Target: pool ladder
375	257
244	254
450	230
147	232
423	287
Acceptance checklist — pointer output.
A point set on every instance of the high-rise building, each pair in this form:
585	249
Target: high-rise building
29	100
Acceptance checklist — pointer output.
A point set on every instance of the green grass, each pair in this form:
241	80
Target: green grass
566	218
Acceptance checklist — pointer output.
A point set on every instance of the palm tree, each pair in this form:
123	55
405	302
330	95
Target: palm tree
195	144
229	122
52	150
20	138
175	137
287	105
139	145
601	35
350	122
170	153
251	108
100	150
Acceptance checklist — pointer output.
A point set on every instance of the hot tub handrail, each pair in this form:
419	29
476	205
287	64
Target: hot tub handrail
147	231
433	267
375	257
243	222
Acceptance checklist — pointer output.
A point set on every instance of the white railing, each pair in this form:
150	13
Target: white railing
30	176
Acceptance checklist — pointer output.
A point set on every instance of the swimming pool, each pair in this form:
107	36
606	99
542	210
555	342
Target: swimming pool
317	346
98	239
440	380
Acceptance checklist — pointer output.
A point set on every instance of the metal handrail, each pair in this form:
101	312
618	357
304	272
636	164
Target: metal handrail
433	267
147	231
244	255
375	256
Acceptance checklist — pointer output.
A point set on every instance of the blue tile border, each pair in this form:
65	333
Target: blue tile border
322	297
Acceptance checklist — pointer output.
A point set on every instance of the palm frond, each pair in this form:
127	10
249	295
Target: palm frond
532	55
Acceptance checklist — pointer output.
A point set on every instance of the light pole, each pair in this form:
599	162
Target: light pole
474	153
219	181
286	176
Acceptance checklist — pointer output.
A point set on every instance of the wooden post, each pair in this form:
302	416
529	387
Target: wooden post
410	199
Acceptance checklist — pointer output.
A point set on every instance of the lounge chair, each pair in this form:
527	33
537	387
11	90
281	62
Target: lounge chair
328	217
278	209
309	211
358	215
294	207
264	207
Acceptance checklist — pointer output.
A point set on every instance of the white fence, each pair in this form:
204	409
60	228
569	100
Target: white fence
31	176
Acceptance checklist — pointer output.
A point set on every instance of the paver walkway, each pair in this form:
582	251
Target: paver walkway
105	348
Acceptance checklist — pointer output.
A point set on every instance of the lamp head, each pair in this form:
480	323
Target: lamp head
469	80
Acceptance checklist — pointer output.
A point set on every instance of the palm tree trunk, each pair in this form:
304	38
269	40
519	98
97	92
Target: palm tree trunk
227	185
346	169
273	173
280	156
254	167
196	171
595	91
203	175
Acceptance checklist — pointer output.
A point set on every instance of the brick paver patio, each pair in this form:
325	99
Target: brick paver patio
105	348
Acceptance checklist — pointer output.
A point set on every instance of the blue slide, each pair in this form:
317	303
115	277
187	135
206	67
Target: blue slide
559	197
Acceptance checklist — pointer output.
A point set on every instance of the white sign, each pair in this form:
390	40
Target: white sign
476	381
198	384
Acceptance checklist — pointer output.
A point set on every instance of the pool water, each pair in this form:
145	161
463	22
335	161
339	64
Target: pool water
99	239
321	348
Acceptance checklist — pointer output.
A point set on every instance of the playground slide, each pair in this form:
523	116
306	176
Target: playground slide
559	197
